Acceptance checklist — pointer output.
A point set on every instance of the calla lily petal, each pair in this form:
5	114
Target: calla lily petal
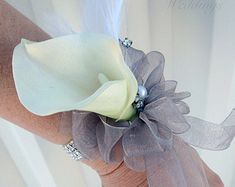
75	72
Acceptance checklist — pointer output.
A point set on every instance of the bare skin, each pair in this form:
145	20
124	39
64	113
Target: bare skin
13	27
10	108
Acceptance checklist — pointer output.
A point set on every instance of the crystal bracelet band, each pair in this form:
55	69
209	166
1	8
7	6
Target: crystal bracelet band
72	151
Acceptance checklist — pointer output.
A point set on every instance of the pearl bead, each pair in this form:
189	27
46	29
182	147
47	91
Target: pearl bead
142	92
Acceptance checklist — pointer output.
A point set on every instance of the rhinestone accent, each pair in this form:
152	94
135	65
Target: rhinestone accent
127	43
72	151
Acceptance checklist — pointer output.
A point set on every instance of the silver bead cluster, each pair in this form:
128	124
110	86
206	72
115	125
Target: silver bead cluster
142	94
72	151
127	43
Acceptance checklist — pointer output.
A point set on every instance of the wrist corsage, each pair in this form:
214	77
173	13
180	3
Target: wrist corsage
122	107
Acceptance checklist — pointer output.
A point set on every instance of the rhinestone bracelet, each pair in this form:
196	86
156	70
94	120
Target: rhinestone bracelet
72	151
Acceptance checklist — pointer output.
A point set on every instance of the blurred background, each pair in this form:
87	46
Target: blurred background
197	39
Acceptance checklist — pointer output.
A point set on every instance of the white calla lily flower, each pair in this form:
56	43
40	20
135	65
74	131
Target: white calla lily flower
76	72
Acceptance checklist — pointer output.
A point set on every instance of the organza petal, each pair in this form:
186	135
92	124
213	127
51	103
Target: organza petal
162	89
149	70
84	133
162	134
156	75
108	136
183	107
176	97
139	140
166	112
131	55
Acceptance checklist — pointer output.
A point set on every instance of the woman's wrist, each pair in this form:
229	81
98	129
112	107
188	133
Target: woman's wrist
15	26
115	175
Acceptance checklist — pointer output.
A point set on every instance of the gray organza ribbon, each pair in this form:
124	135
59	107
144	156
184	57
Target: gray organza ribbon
156	141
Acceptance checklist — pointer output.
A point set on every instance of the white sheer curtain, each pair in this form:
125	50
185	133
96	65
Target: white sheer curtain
197	40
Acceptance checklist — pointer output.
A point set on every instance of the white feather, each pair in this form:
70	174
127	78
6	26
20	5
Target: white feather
59	18
102	16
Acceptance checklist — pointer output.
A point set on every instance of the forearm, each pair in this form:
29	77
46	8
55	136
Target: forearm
13	27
